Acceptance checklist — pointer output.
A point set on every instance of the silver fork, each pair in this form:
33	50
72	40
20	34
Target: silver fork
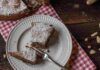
46	56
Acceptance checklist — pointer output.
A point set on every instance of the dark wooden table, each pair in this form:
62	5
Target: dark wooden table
82	21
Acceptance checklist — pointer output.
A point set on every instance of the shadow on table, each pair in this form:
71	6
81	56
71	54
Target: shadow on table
73	57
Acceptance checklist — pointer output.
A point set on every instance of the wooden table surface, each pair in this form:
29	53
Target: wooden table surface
80	19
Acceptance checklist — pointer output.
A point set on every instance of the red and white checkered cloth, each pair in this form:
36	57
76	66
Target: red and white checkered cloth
79	60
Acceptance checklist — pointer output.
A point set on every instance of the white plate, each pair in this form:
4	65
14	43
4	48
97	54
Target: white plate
60	51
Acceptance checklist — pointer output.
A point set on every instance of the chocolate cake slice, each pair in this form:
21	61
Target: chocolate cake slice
41	34
16	9
30	56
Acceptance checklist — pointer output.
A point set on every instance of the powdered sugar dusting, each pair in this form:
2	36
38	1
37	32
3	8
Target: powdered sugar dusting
7	9
29	54
41	32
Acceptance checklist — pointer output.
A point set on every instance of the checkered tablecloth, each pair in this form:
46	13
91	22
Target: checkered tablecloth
79	60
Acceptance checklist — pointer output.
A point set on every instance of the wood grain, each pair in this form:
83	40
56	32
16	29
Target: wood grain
82	22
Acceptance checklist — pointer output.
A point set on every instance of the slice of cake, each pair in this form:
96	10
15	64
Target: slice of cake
41	34
16	9
30	56
9	7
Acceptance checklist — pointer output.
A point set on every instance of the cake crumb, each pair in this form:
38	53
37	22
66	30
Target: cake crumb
94	34
92	51
89	46
83	13
90	2
98	39
99	49
46	50
4	56
86	39
76	6
99	25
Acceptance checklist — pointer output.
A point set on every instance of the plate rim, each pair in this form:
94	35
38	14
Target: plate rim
19	22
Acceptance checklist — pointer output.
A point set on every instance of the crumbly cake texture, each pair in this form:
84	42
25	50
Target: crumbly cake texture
30	56
16	9
8	7
41	33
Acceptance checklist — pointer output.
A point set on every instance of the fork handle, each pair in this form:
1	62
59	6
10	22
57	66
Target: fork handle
62	67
